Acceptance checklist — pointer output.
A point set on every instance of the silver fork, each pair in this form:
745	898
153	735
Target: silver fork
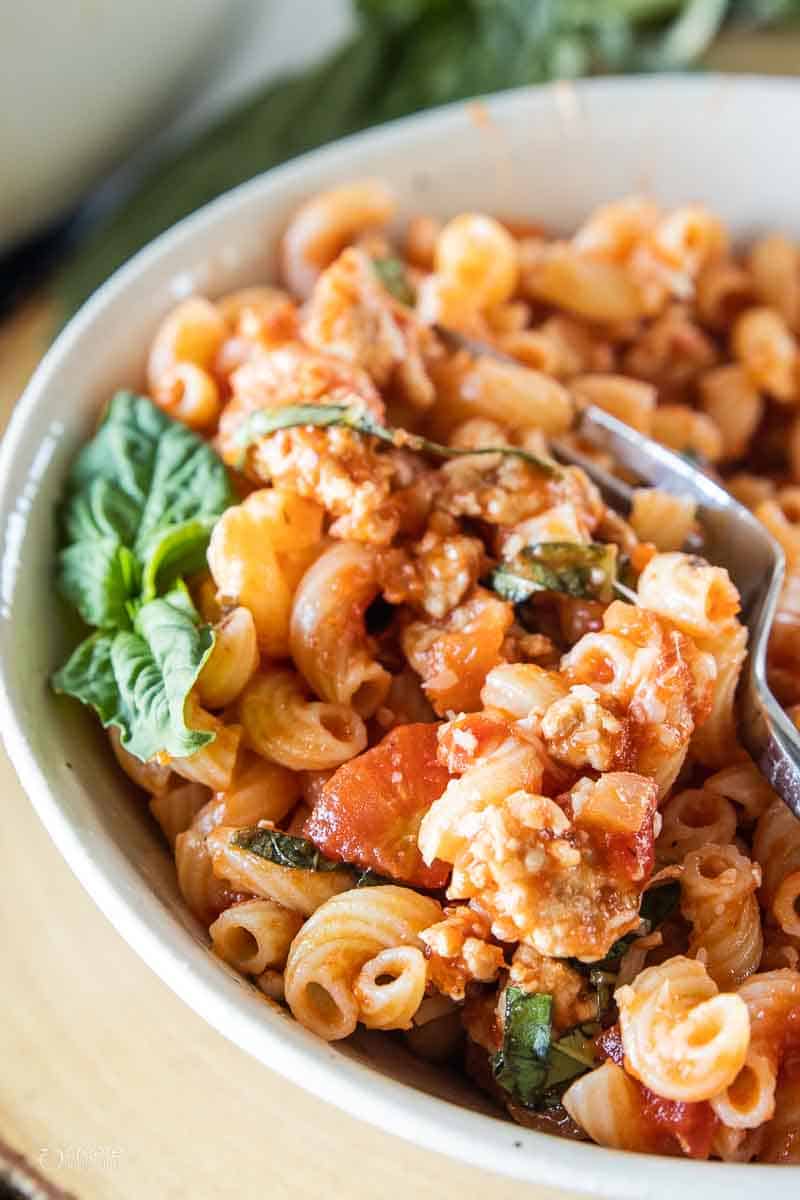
733	538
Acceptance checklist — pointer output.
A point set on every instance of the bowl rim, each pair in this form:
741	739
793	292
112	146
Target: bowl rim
489	1143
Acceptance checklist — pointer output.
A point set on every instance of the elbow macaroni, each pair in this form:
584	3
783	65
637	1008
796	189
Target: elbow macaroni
327	637
335	965
682	1038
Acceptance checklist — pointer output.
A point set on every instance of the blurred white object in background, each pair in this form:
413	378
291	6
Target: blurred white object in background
83	82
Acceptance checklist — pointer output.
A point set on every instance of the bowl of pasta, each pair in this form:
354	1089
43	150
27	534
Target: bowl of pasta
406	761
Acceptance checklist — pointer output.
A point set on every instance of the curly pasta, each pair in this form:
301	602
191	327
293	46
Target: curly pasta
781	1142
692	819
682	1038
703	603
326	223
258	552
176	807
327	637
255	935
651	674
742	783
206	895
606	1104
232	661
776	846
336	962
718	888
214	764
749	1100
665	520
280	723
258	791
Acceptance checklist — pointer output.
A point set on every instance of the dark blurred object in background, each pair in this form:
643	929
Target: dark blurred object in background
406	55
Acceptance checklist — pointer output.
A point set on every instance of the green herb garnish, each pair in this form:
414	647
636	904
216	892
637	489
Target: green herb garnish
139	678
534	1068
299	853
284	849
586	571
142	498
394	277
573	1054
521	1066
323	416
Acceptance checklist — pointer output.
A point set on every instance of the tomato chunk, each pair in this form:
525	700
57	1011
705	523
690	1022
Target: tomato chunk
369	811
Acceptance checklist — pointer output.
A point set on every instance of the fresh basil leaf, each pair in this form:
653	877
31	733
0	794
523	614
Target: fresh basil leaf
394	277
657	904
573	1054
99	577
532	1066
322	416
283	849
299	853
88	676
522	1064
100	510
155	474
142	497
174	552
585	571
139	679
155	666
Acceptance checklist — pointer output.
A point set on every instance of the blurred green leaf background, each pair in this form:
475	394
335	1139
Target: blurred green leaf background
404	56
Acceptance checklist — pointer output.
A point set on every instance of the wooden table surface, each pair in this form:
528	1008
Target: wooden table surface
114	1088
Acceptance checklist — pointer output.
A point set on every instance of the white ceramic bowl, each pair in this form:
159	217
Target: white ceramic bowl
550	154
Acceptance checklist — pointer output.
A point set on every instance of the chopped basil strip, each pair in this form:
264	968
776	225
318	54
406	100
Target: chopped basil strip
573	1054
394	277
323	416
585	571
300	853
284	849
534	1068
657	904
521	1066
